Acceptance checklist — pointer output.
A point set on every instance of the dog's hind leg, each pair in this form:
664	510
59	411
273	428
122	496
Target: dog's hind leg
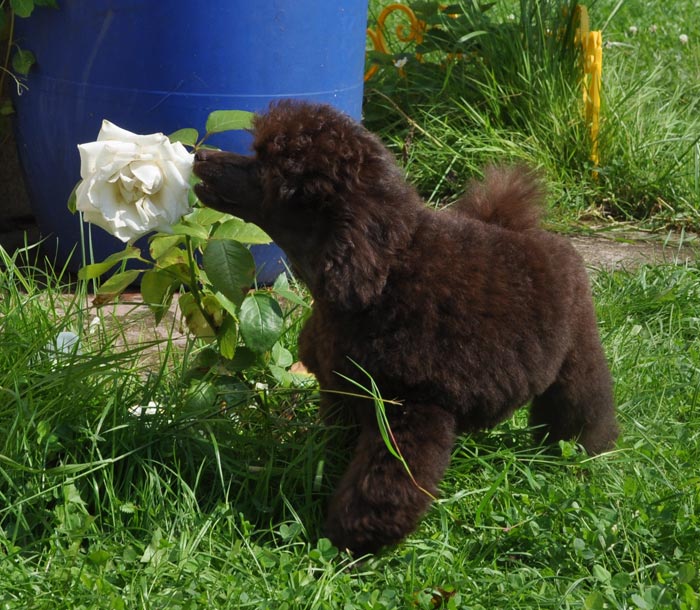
579	404
377	501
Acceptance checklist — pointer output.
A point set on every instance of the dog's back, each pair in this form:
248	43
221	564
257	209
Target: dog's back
512	198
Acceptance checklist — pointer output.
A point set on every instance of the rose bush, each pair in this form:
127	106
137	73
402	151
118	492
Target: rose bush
133	184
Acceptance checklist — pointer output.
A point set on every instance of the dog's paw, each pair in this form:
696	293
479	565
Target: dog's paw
361	530
371	512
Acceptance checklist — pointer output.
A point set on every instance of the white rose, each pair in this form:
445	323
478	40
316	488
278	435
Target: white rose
133	184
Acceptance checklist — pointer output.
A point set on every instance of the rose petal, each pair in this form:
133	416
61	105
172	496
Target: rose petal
173	199
103	206
174	177
111	132
125	178
104	158
147	211
127	226
149	174
88	155
178	154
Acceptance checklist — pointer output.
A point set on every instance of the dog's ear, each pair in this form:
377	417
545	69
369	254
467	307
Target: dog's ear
356	261
327	164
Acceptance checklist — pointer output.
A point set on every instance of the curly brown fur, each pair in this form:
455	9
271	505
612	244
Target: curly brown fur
462	315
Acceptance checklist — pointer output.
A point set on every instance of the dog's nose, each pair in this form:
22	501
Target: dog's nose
202	154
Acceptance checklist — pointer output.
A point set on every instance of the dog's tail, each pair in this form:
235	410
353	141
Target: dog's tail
510	197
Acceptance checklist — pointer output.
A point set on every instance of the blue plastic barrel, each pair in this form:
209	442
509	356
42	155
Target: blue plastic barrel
161	66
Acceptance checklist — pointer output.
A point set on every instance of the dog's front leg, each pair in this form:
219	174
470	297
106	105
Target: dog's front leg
378	502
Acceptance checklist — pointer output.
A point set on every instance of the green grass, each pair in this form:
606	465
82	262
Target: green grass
513	98
216	500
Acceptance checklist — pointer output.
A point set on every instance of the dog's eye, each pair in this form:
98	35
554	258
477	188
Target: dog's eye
287	191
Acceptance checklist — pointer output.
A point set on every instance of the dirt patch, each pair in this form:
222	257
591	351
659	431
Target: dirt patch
630	249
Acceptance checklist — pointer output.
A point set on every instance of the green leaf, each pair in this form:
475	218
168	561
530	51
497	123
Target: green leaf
195	320
205	217
242	231
227	304
594	601
326	549
71	495
193	230
192	199
686	573
22	61
601	574
99	557
281	356
620	581
180	272
187	136
230	268
161	244
282	376
228	120
157	287
201	396
227	336
282	289
187	303
119	282
72	208
214	309
640	602
243	360
290	531
90	272
261	321
22	8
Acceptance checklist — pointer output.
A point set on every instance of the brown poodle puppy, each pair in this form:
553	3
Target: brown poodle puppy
461	316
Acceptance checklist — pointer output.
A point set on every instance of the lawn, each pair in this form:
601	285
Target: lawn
130	477
199	506
515	98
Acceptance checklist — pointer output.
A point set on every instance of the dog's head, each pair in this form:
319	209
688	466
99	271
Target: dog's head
325	189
